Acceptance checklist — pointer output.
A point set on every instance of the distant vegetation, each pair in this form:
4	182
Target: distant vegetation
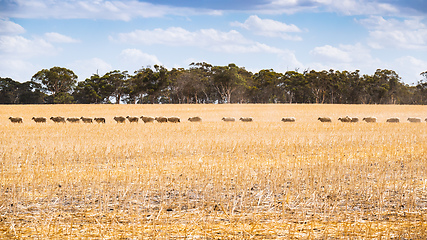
204	83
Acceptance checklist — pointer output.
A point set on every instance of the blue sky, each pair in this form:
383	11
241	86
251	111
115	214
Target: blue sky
98	35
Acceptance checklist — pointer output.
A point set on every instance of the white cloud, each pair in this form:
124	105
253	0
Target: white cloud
18	70
330	53
211	39
135	59
87	67
59	38
99	9
8	27
268	27
347	7
23	47
406	34
345	57
409	68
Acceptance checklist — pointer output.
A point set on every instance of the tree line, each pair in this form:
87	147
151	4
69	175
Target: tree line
205	83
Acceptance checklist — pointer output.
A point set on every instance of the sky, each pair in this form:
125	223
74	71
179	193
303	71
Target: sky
98	36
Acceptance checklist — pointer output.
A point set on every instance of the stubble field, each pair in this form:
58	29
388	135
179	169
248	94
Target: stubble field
214	180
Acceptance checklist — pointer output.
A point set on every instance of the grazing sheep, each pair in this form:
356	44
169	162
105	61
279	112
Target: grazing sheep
414	120
73	120
288	119
174	119
39	119
58	119
345	119
161	119
370	119
120	119
393	120
246	119
132	119
148	119
195	119
16	119
86	120
325	119
99	120
228	119
354	119
426	119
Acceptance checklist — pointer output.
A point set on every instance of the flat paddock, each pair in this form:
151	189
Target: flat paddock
214	180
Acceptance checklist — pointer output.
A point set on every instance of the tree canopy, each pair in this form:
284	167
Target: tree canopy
205	83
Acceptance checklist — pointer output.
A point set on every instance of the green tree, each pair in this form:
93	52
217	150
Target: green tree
149	86
226	80
29	93
265	86
116	84
9	91
92	90
56	81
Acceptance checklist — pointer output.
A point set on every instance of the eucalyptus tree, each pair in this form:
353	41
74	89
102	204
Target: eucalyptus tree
57	82
115	84
227	79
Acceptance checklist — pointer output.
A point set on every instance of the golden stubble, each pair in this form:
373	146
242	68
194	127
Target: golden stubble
265	179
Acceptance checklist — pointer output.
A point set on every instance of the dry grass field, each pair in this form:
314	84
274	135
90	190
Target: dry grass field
214	180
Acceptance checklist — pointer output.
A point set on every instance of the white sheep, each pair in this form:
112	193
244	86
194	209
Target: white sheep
288	119
246	119
174	119
147	119
73	120
86	120
354	119
99	119
393	120
228	119
324	119
58	119
16	119
195	119
119	119
132	119
39	119
345	119
414	120
161	119
370	119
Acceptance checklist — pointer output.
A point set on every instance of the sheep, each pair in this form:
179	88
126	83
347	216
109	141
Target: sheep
39	119
370	119
195	119
288	119
132	119
324	119
246	119
16	119
58	119
147	119
161	119
174	119
228	119
345	119
393	120
99	120
120	119
86	120
73	120
354	119
414	120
